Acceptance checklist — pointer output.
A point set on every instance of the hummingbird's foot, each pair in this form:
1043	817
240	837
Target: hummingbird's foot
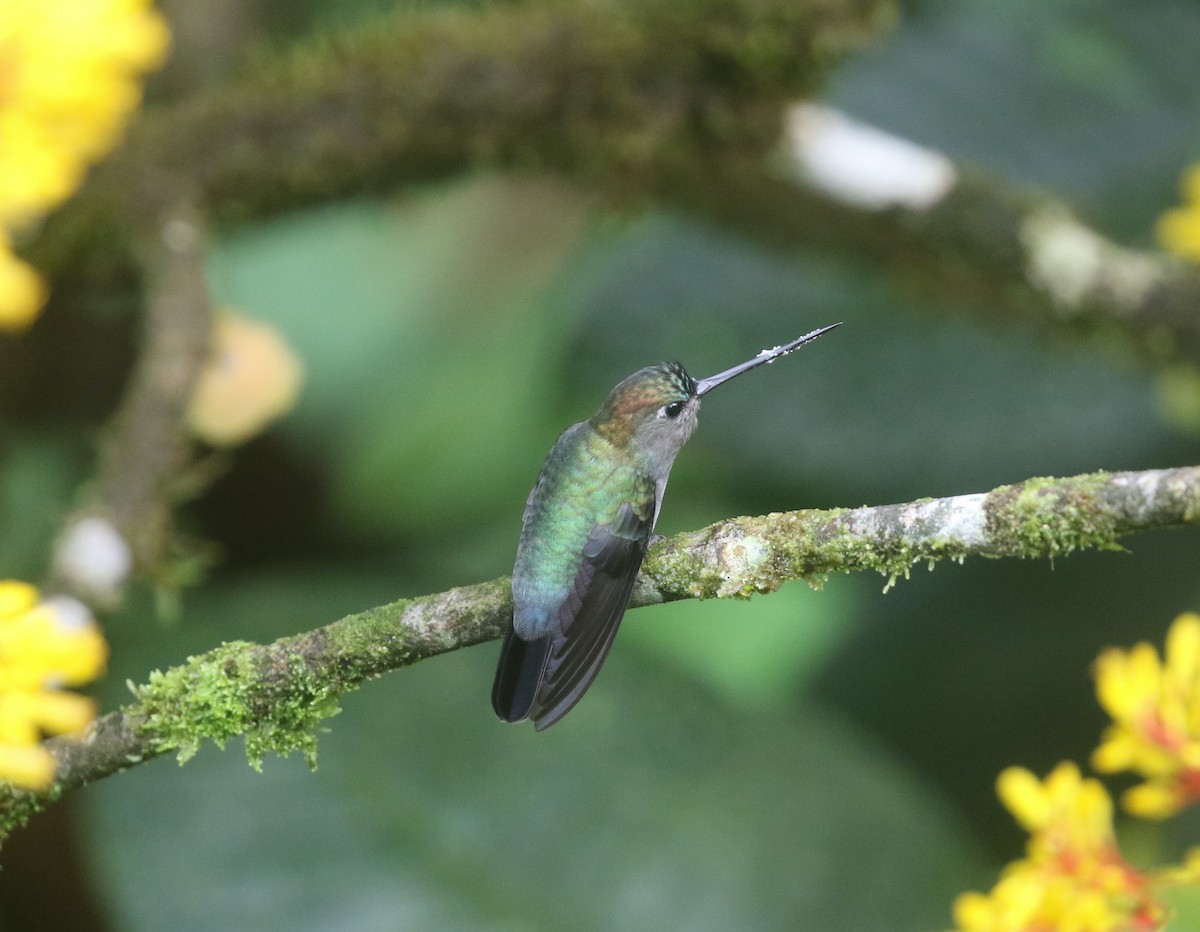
654	539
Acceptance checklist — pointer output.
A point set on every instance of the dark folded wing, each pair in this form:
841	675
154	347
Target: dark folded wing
589	617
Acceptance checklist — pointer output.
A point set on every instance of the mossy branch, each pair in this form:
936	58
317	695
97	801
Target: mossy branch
606	93
275	694
1037	518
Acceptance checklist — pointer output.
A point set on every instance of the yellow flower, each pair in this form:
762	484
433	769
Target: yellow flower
1064	812
1179	229
44	645
1155	708
22	292
70	76
252	378
1073	877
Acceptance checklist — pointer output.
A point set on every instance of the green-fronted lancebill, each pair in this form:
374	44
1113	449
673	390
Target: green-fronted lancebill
586	527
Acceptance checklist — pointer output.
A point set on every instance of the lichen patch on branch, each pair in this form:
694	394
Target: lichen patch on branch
1074	264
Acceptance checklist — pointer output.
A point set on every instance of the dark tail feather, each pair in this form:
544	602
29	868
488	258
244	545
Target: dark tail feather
518	676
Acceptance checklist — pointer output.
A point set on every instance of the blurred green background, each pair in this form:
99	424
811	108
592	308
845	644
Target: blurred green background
800	761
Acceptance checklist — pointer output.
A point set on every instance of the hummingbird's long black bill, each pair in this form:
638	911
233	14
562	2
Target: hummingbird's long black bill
704	386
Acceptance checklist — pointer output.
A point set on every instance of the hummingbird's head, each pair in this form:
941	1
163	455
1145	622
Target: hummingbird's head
651	414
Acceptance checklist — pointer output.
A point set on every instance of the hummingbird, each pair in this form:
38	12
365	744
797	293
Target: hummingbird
586	527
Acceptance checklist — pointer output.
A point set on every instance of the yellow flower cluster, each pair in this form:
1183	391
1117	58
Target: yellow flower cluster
1155	708
70	73
1073	876
43	646
1179	229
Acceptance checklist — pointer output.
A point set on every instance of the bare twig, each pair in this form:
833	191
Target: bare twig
127	525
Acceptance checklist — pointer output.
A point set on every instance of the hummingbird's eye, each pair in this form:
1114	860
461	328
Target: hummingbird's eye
673	410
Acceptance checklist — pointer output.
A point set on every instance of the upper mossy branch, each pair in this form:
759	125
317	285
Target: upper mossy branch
275	694
608	93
